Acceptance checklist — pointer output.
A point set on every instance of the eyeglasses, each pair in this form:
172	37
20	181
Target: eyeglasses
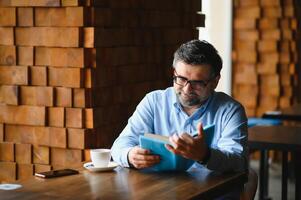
195	84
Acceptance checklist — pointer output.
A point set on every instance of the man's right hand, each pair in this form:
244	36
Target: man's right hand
142	158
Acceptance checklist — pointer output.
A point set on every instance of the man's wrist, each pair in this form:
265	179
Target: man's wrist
206	158
128	159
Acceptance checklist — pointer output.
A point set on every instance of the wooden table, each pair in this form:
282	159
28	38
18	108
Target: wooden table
291	113
129	184
283	138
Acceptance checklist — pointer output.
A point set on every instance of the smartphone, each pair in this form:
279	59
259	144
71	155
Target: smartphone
56	173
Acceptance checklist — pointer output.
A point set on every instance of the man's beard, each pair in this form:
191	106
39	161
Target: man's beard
189	100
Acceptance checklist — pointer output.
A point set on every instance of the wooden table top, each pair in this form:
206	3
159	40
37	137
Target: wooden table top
126	183
275	137
291	113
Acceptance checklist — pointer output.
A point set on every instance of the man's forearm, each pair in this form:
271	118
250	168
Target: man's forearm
225	161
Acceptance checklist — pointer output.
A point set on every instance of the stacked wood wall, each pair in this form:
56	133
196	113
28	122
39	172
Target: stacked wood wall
265	54
297	5
72	71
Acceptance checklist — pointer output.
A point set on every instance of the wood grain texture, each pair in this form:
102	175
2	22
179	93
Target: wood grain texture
41	155
65	77
23	153
25	55
63	97
38	76
196	184
7	151
8	171
30	3
1	132
56	116
9	94
6	36
60	57
81	138
7	55
47	36
56	17
74	117
41	168
58	137
25	16
23	115
7	16
82	98
66	157
24	171
37	135
36	96
13	75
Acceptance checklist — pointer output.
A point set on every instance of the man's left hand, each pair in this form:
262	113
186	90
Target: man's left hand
187	146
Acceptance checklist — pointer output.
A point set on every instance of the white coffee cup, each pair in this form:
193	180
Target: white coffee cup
100	157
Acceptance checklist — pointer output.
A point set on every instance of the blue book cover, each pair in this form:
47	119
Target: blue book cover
170	161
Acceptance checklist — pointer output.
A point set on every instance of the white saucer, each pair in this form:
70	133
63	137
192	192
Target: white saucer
89	166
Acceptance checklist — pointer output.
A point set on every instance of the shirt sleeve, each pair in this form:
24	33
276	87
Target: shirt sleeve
231	151
140	122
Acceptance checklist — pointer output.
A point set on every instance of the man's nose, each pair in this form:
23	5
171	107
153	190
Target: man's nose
187	87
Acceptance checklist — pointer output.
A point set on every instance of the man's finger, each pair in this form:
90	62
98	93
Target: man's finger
143	163
173	150
187	138
169	147
146	162
139	157
200	129
139	150
177	142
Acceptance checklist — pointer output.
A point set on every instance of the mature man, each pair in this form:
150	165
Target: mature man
182	110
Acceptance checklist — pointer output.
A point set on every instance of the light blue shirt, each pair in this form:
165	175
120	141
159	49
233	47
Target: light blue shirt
160	112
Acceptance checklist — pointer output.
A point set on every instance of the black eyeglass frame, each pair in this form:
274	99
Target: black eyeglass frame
195	84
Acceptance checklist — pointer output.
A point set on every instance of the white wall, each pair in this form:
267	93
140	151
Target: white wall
218	31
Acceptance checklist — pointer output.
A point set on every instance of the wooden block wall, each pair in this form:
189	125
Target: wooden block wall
72	72
264	54
298	37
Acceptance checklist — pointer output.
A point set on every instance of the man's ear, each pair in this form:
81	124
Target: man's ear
172	71
215	81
